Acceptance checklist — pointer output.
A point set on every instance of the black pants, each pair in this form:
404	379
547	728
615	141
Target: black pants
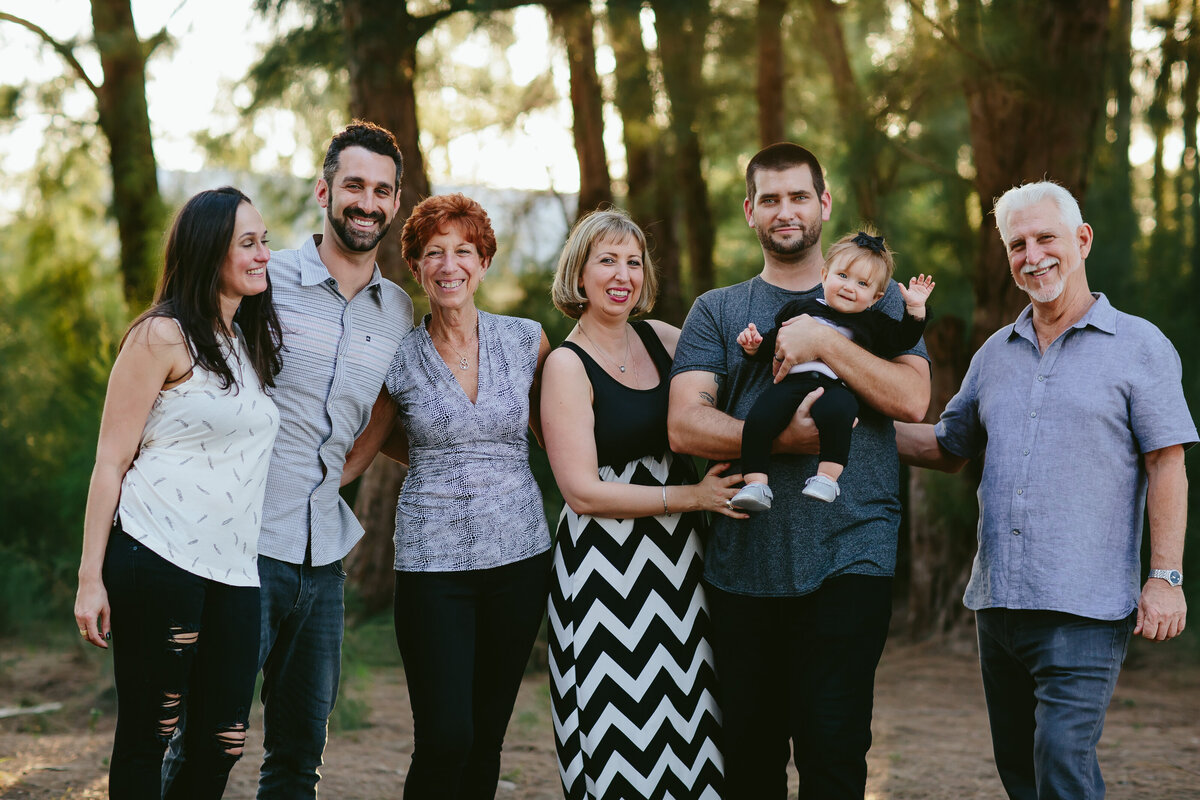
465	638
180	642
833	413
799	668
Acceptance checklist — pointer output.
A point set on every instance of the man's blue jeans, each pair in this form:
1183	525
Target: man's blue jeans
1048	678
301	657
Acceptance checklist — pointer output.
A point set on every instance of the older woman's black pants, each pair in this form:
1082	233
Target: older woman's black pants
833	413
465	638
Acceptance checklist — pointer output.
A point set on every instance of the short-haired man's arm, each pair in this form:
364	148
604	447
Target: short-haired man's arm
898	388
382	432
919	447
1162	610
696	426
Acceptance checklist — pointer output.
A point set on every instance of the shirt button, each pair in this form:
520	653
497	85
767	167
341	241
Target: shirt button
1016	532
1033	413
1020	491
1041	377
1025	451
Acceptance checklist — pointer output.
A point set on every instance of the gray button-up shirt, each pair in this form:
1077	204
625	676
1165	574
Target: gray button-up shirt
1064	484
336	356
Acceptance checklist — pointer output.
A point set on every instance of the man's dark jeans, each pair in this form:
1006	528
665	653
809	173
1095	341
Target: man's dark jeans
799	668
1048	678
301	656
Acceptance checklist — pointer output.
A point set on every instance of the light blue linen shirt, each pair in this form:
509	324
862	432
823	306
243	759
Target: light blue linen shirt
1064	482
336	353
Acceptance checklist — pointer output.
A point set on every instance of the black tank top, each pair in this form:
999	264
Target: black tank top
630	423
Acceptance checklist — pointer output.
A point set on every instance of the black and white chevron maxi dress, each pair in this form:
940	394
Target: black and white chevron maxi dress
632	683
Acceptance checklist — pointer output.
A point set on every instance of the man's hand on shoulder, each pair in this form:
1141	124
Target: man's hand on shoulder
1162	611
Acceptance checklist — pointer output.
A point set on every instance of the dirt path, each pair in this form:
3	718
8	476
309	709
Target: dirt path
931	737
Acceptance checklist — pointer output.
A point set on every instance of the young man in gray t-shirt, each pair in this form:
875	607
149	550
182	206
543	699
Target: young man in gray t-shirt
800	595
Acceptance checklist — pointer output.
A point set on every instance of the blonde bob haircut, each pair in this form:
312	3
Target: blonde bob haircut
613	225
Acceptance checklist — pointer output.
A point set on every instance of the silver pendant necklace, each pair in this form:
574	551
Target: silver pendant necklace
463	363
599	349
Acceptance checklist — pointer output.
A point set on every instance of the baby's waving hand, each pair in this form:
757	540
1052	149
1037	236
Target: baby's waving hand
915	295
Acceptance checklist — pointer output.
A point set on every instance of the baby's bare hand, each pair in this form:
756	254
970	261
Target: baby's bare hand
750	339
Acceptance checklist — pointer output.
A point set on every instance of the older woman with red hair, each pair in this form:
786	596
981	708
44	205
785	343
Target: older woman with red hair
472	545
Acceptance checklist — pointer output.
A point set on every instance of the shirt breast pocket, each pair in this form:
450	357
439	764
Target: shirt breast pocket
368	356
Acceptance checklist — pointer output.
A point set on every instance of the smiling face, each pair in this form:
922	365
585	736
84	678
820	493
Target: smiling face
787	211
244	270
612	276
851	283
1046	257
449	269
361	201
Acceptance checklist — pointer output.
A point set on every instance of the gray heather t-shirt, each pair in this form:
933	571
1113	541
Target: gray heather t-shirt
792	548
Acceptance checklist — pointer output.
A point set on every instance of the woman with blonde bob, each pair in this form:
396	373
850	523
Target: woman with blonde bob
632	681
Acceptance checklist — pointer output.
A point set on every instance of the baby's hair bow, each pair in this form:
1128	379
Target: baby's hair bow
873	243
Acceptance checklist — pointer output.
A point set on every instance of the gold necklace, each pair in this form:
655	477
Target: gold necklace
600	350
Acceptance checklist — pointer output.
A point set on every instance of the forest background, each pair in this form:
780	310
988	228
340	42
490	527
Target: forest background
922	112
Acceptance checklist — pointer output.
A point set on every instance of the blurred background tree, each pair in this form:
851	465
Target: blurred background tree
922	112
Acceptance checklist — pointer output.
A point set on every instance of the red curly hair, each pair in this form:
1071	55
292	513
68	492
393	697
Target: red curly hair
437	213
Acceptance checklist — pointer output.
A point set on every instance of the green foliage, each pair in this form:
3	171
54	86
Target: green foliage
9	97
61	313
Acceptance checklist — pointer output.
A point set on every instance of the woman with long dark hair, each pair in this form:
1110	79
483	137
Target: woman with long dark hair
168	571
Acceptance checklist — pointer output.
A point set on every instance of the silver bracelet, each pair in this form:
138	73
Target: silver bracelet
665	511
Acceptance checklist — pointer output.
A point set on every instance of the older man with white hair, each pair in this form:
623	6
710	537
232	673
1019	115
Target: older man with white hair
1079	411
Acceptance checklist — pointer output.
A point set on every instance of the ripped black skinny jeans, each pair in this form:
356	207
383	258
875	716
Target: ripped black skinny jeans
180	642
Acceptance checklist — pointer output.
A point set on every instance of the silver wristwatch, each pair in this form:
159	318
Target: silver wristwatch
1171	576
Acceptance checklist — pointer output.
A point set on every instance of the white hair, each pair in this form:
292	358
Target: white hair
1027	195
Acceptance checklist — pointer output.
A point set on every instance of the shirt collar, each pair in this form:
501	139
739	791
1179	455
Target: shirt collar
313	270
1101	316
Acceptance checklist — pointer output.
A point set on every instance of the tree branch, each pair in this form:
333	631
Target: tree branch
427	21
925	161
62	49
949	37
154	42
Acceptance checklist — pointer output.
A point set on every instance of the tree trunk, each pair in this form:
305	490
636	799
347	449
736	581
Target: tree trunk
939	539
858	128
647	156
125	120
771	77
381	55
1191	151
1030	119
1111	267
381	42
682	26
574	22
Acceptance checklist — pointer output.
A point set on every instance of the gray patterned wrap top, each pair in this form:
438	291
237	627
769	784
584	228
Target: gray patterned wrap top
470	500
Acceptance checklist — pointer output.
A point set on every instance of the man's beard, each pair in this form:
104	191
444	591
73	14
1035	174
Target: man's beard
809	236
354	239
1046	294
